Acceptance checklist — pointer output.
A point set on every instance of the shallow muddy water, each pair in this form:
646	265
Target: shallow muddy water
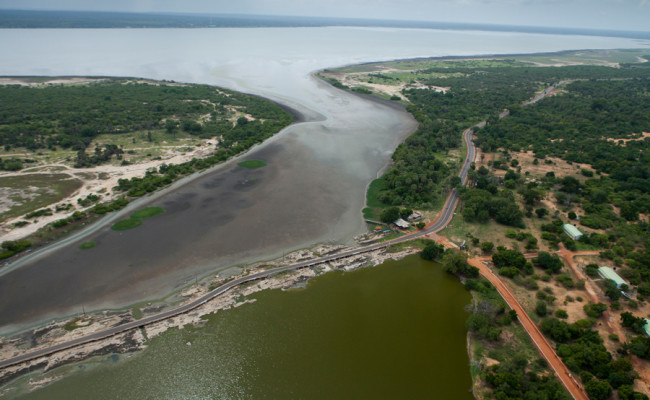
312	190
395	331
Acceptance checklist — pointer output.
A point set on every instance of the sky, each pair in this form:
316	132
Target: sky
594	14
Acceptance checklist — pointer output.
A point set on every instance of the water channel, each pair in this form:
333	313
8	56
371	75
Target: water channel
312	190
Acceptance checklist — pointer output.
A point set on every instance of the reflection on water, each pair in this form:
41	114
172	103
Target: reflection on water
395	331
312	190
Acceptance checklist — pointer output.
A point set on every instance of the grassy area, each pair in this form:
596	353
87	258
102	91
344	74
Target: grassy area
87	245
591	57
252	164
27	193
148	212
392	235
141	146
417	243
459	229
372	199
373	204
136	312
136	218
72	325
138	146
126	224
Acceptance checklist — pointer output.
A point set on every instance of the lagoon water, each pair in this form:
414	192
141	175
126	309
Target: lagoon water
312	190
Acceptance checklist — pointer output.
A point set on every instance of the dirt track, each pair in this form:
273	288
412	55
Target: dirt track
540	342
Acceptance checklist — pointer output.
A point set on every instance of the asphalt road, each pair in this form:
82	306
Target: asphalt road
442	221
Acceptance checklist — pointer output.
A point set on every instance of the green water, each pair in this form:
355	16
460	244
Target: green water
391	332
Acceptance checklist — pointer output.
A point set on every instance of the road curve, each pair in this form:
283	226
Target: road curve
437	225
441	222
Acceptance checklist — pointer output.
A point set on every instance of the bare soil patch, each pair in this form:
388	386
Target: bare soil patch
624	142
526	160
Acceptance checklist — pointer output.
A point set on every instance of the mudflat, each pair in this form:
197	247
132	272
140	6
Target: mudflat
311	191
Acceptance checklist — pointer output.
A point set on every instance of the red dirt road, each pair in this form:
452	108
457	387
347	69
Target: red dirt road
544	348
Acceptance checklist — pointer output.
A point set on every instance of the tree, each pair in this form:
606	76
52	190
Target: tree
455	262
432	251
557	330
595	310
592	270
626	392
541	309
171	125
487	247
541	212
598	389
405	213
389	215
628	320
531	196
454	181
550	262
629	212
611	290
509	258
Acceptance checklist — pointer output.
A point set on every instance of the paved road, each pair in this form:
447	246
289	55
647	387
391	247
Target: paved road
442	221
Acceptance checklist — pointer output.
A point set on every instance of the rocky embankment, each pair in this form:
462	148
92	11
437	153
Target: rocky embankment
82	325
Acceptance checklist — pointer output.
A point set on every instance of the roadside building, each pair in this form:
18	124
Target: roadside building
646	327
415	216
400	223
572	231
610	274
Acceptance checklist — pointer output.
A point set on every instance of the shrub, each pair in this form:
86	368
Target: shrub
487	247
594	310
565	280
592	270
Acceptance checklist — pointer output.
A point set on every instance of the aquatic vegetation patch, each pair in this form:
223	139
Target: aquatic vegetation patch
126	224
148	212
87	245
136	218
252	164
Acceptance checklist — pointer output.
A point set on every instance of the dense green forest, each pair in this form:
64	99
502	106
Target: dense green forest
417	177
70	116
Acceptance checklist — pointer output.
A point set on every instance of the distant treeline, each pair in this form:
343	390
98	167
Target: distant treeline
94	19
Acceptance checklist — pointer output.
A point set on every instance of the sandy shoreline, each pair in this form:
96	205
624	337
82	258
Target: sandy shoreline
93	178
